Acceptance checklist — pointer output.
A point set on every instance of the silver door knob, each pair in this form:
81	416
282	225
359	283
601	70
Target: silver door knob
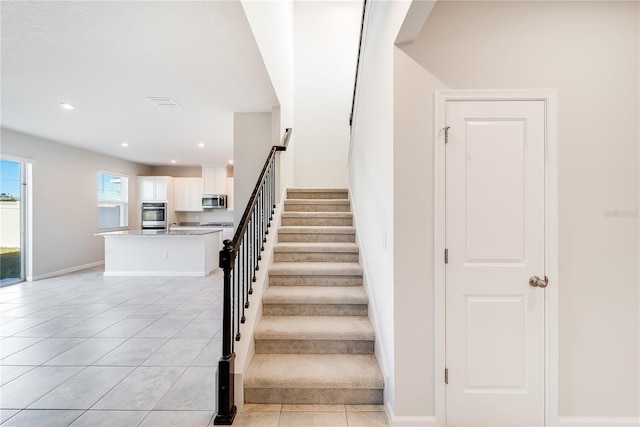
535	281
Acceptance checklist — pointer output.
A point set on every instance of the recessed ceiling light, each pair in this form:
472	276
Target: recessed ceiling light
124	144
200	144
67	106
173	161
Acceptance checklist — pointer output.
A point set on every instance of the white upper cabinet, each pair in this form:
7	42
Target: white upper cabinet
188	194
155	188
214	180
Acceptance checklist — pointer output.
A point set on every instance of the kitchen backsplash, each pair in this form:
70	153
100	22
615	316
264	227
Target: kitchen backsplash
213	215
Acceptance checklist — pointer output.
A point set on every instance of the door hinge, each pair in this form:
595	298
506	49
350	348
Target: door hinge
446	134
446	256
446	375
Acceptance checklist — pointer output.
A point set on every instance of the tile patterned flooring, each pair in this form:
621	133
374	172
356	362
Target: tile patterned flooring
311	415
87	350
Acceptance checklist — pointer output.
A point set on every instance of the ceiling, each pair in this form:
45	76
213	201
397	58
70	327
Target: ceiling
108	57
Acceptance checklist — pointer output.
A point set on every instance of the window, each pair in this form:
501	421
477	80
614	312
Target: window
113	200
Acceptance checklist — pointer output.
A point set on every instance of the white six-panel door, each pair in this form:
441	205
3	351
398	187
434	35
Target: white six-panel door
495	237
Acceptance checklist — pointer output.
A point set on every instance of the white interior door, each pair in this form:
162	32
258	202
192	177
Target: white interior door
495	239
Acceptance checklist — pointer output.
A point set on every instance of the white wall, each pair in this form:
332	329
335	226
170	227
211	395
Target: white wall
371	173
589	52
65	207
272	26
414	235
325	46
251	146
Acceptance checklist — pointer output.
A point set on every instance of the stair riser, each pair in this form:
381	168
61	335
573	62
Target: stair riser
292	280
315	257
316	222
314	346
313	396
315	309
317	195
316	238
320	207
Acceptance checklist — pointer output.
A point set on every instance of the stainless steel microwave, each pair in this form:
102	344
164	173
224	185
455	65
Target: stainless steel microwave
214	201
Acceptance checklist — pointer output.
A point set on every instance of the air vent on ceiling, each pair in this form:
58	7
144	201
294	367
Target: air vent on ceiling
164	102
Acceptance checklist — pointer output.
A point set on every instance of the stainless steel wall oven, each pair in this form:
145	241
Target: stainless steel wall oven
154	215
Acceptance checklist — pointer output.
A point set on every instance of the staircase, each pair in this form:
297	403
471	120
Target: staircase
314	343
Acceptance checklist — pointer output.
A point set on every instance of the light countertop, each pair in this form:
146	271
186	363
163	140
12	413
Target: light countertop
161	233
206	224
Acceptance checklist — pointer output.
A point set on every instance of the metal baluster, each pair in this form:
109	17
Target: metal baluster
273	187
247	267
253	244
236	301
264	213
254	254
260	223
242	279
267	201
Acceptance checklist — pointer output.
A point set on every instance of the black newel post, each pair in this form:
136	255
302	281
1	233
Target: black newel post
226	410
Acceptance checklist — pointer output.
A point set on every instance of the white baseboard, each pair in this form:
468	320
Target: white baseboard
157	273
597	422
431	421
413	421
410	420
64	271
405	421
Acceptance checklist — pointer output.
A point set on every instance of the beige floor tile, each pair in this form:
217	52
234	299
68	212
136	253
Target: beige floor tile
367	419
262	407
313	408
257	419
365	408
313	419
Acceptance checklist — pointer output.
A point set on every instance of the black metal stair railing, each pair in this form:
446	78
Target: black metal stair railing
360	46
240	259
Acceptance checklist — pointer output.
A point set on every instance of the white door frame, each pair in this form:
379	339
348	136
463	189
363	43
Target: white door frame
551	236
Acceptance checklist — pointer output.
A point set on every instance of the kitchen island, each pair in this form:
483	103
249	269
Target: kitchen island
161	252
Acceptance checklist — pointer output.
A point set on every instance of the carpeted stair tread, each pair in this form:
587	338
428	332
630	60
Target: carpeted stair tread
309	371
316	247
291	201
317	205
317	193
315	295
317	229
315	328
316	190
317	219
317	215
315	269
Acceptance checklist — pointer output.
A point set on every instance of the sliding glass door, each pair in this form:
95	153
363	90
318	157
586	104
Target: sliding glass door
12	222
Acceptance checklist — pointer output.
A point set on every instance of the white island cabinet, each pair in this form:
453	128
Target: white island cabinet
161	252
